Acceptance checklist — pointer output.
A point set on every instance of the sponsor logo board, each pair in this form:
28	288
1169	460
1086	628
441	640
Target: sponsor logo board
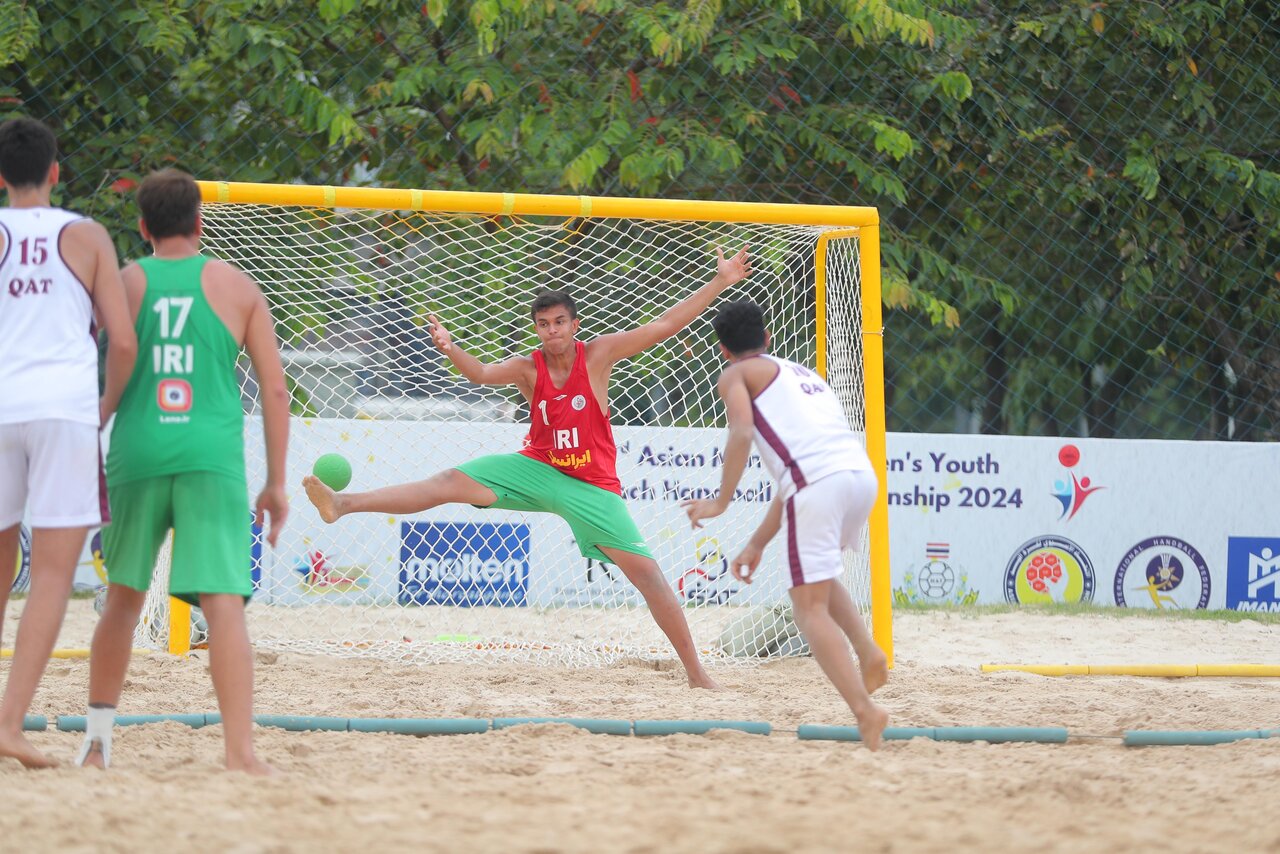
464	564
1162	572
1049	568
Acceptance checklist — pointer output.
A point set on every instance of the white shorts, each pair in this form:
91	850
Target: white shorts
53	470
824	519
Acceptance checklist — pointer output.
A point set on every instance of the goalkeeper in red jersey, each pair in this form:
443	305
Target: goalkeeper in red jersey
568	465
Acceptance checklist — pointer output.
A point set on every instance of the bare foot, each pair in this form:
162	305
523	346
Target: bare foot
252	766
875	670
702	679
328	502
871	724
16	746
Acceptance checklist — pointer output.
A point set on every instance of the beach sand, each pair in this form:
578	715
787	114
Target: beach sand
543	788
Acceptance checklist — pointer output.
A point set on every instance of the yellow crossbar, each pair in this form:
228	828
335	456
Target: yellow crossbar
528	204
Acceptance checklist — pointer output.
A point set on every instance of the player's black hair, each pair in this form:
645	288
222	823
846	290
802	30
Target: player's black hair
551	299
169	201
27	150
740	326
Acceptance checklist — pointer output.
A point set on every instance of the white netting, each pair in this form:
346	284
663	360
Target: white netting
351	289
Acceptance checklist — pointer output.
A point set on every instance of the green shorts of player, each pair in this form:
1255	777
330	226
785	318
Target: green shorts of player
212	540
597	517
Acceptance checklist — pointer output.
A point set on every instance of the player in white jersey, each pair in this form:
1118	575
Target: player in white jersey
826	487
57	270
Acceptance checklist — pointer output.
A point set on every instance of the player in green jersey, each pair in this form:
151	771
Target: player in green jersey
176	461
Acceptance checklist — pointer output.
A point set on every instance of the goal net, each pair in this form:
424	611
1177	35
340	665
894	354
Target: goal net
351	275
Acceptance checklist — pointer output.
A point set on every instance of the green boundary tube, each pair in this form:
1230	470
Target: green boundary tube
35	723
699	727
76	723
1002	734
1169	738
302	723
820	732
420	726
195	721
601	726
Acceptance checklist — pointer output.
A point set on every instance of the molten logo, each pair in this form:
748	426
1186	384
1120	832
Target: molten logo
174	395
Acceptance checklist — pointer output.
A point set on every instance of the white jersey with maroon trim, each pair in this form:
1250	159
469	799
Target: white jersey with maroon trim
801	430
48	353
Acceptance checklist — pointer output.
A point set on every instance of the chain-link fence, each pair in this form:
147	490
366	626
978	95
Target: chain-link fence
1081	200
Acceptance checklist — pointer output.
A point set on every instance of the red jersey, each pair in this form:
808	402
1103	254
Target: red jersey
567	428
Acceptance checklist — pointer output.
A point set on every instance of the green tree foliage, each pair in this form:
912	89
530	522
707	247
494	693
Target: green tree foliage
1080	200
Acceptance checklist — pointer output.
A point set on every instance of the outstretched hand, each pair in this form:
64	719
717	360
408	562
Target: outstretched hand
733	269
698	509
439	335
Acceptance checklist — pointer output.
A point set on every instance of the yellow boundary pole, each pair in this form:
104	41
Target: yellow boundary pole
525	204
1162	670
70	652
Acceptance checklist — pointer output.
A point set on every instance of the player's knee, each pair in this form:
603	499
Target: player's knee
807	601
222	606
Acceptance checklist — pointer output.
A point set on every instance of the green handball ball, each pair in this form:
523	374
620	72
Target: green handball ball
334	471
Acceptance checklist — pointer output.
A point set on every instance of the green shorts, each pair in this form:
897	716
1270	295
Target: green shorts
212	540
596	516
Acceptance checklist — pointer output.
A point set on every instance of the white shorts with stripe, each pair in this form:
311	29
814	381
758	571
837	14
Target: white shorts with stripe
824	519
53	470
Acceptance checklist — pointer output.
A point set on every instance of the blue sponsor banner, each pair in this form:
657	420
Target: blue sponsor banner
1253	573
463	564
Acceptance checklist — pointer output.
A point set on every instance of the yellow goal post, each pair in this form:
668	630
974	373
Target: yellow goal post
352	271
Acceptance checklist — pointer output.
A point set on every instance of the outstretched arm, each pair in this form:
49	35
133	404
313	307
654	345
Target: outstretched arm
737	449
506	372
623	345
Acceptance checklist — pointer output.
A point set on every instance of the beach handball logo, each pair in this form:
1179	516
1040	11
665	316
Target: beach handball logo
1049	569
579	402
1162	572
937	581
174	395
1072	491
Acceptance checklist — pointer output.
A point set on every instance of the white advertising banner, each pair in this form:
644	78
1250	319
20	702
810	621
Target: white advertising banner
972	519
1139	524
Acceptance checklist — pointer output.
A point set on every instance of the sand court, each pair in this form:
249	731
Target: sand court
550	787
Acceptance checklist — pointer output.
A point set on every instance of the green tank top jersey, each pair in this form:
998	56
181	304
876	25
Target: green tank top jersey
181	411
